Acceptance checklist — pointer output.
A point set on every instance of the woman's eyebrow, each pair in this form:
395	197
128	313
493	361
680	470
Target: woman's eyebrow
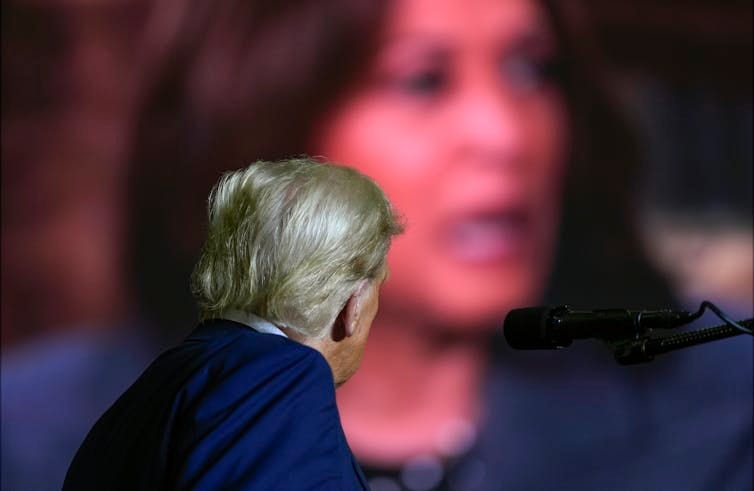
415	44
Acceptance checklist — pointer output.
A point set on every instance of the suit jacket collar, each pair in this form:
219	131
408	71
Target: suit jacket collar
253	321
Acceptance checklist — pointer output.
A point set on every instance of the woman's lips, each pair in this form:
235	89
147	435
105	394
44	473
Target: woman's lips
487	236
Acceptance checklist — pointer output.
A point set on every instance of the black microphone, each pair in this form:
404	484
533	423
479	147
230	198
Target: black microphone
557	327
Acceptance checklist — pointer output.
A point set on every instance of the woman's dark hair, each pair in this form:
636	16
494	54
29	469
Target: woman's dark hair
600	261
243	80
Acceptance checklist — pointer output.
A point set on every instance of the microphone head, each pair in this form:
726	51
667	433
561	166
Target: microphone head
528	328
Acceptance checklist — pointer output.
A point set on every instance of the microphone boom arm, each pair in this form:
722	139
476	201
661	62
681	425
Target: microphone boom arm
644	349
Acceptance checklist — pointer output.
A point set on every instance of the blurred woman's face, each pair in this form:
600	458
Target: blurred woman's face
460	123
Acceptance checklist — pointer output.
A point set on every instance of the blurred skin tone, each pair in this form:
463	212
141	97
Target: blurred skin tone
460	122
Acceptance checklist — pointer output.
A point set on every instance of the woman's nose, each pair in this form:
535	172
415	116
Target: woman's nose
488	123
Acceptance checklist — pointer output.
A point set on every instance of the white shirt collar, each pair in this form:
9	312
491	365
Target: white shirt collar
253	321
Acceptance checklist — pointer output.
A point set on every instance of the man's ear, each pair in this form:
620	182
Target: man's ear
348	318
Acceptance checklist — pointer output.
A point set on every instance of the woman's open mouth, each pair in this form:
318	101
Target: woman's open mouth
490	235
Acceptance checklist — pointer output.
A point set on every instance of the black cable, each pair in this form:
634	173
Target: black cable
644	348
722	315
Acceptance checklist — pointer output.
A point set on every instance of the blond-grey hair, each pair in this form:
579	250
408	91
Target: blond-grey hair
290	241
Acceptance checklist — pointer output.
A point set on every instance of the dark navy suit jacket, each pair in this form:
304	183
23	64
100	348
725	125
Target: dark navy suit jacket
229	408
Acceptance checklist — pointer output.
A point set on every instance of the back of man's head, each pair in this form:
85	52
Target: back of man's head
290	241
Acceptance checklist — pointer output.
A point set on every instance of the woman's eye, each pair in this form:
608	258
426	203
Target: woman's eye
524	73
423	83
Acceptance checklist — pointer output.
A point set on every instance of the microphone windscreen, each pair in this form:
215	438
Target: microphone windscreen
527	328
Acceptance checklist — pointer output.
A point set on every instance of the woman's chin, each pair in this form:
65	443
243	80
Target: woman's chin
483	310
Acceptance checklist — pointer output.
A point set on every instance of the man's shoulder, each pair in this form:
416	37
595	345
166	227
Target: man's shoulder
229	345
226	361
260	395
